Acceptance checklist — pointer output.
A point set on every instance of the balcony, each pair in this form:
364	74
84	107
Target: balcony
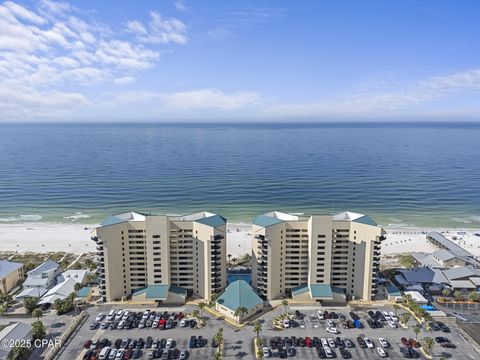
216	286
94	238
260	237
216	280
99	248
377	253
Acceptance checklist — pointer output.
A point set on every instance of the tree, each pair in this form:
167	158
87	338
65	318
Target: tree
217	355
396	307
260	354
38	313
404	318
6	301
416	330
64	306
257	328
446	292
240	311
473	296
195	313
229	256
427	344
458	295
246	258
38	330
285	304
30	303
19	353
202	305
78	286
28	267
213	299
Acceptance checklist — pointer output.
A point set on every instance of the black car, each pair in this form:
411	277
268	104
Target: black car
380	316
443	327
293	340
441	339
149	342
371	314
133	344
163	343
354	316
321	352
434	326
273	343
117	343
339	342
200	341
406	354
361	342
283	354
137	353
345	353
315	341
299	315
192	323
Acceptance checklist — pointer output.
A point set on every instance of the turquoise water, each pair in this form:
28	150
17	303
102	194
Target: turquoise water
418	174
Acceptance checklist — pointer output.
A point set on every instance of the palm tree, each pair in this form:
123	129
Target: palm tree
457	295
473	296
257	328
202	305
285	304
396	307
240	311
260	354
37	313
405	317
229	256
213	298
446	292
427	344
416	330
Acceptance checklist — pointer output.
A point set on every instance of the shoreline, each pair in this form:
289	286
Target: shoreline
43	237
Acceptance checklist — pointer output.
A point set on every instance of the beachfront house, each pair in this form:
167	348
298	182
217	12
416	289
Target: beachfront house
10	274
40	280
60	291
80	276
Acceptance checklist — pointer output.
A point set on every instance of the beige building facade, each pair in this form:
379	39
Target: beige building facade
136	251
317	257
10	275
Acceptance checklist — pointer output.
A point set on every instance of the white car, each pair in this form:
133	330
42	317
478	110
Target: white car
324	342
383	342
381	352
183	323
331	343
112	354
126	314
286	324
169	344
119	315
369	343
331	323
100	317
332	330
393	316
392	324
459	316
386	316
328	352
266	352
320	315
120	325
111	315
146	314
120	354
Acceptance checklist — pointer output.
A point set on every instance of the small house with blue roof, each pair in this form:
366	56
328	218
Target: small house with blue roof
239	295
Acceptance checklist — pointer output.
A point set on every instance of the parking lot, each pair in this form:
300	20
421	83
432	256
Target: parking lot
239	342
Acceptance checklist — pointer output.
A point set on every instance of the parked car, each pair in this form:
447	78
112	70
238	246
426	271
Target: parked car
369	343
383	342
332	330
381	352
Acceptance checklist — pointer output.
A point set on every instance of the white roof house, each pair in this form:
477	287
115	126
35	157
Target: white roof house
78	275
17	331
60	291
417	297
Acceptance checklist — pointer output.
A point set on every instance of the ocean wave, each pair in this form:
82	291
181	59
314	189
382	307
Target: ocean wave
475	218
77	216
34	217
461	220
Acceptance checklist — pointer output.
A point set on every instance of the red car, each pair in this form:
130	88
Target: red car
406	343
414	343
308	342
87	344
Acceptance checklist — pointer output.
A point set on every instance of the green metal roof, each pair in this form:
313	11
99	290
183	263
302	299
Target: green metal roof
84	292
265	221
393	290
111	220
365	219
239	294
321	291
300	290
213	221
160	292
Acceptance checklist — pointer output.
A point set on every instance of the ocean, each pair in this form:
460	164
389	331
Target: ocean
406	174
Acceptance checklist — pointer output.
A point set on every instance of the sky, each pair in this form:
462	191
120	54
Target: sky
238	60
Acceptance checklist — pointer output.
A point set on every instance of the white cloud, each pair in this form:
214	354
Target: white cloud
159	30
373	100
53	46
180	5
211	99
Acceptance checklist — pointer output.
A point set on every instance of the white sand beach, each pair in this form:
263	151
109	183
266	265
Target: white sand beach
75	238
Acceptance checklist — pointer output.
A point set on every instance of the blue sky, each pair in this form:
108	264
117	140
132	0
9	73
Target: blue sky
185	60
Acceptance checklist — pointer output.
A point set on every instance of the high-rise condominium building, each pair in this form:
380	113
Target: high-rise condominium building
315	258
152	252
